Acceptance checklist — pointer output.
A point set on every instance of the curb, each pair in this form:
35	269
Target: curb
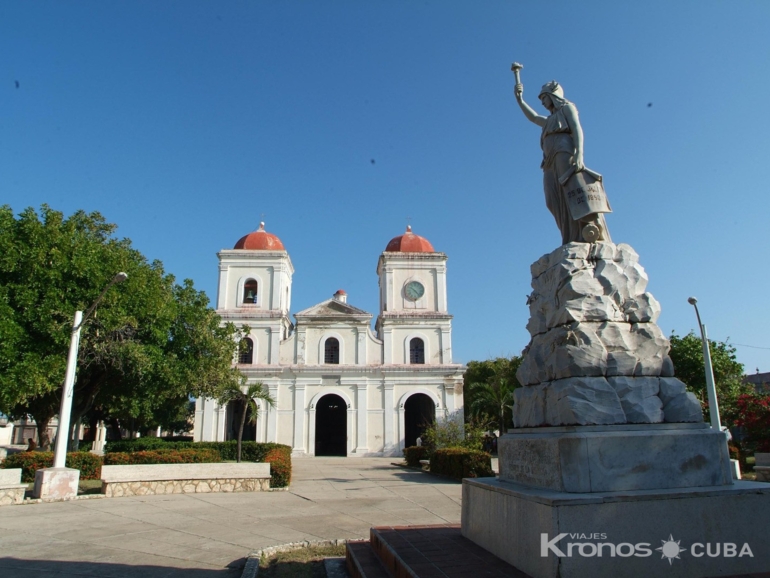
251	569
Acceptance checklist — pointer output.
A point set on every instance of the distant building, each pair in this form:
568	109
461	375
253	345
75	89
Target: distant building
760	381
341	388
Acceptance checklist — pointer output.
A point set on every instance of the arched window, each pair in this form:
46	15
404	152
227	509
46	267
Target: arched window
246	352
416	350
332	351
250	291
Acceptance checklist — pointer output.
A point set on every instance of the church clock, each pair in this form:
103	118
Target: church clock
414	290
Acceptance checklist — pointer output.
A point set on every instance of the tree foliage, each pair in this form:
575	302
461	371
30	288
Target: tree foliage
687	355
150	344
488	389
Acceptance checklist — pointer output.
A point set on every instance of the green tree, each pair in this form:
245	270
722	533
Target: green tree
247	400
488	389
151	342
687	355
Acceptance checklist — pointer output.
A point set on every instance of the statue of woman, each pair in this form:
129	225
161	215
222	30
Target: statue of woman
562	144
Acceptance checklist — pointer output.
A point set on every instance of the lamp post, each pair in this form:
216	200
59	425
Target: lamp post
46	480
710	386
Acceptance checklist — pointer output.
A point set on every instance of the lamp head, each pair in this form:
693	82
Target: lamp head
692	300
120	277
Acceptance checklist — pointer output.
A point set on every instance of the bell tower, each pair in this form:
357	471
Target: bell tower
413	322
255	290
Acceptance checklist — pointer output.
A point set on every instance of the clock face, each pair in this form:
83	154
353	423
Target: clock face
414	290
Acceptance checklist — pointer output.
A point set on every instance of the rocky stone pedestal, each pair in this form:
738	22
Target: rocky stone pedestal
687	533
56	483
615	458
596	354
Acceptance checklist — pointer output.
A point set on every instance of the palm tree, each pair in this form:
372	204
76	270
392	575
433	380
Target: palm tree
493	398
248	402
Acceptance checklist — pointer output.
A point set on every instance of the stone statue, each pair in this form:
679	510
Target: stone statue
573	193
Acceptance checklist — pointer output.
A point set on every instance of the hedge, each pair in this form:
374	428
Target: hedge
279	459
277	455
414	454
90	465
461	463
187	456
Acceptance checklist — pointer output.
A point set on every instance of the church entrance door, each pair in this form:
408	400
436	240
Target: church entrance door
331	426
419	413
233	421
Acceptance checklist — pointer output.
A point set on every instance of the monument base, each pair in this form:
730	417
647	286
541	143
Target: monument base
615	457
687	533
56	483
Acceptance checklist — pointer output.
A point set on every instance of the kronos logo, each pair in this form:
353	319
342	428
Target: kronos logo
670	549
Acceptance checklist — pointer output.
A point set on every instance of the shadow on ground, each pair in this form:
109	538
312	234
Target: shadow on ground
74	569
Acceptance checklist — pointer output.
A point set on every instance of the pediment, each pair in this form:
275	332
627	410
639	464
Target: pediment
332	308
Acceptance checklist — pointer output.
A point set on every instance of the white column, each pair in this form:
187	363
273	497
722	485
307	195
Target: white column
222	288
361	346
275	344
446	345
300	340
299	418
272	415
362	407
391	444
449	396
220	419
441	288
387	346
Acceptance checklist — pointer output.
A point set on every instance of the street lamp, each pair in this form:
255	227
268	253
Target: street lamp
710	387
45	483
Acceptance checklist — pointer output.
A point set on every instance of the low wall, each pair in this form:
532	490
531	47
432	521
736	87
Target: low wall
11	488
143	480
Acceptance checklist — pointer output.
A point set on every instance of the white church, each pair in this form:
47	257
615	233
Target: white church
341	389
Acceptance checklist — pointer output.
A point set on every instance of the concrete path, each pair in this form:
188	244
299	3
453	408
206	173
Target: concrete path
200	535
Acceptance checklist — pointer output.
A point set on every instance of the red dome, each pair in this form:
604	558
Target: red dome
260	240
410	243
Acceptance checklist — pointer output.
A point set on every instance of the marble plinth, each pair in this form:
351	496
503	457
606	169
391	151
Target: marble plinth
612	458
711	530
56	483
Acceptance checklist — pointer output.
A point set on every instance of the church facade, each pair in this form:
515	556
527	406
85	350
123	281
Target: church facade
341	388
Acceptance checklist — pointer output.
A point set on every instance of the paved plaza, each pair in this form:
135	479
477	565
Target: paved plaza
209	535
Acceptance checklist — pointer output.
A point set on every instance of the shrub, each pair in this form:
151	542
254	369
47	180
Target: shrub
754	416
461	463
414	454
184	456
90	465
279	459
278	455
135	445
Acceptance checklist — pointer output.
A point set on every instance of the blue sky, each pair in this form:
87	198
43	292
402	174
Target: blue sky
184	122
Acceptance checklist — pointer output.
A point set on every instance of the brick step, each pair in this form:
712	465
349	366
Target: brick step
424	552
362	562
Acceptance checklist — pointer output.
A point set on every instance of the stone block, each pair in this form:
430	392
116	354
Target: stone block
670	387
509	520
10	477
643	308
615	458
683	408
582	401
56	483
156	472
639	398
529	406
